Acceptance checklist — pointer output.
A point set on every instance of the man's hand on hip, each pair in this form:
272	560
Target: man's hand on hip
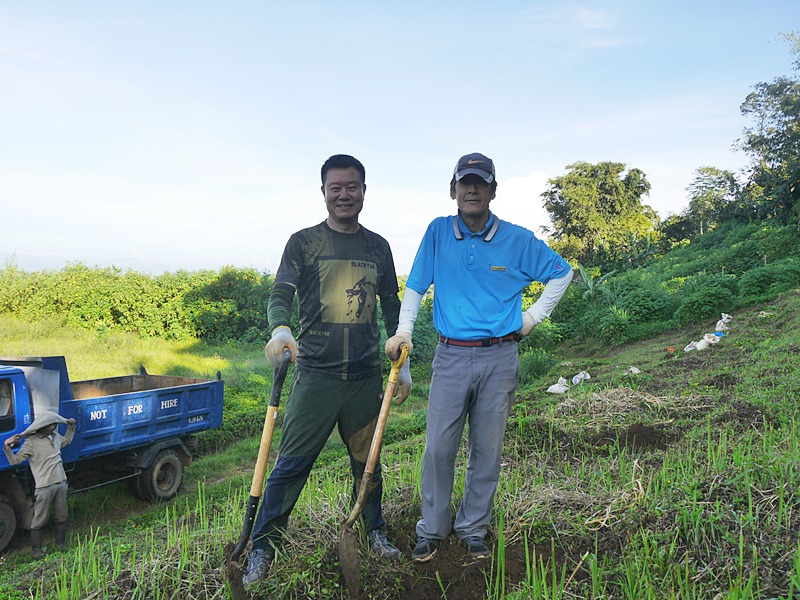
527	324
281	338
530	319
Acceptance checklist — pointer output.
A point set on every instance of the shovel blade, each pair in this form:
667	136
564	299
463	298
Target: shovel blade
348	555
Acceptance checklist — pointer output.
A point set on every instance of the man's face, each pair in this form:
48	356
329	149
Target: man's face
344	195
472	194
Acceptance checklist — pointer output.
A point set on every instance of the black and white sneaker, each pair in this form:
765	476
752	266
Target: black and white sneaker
258	564
424	550
380	545
477	546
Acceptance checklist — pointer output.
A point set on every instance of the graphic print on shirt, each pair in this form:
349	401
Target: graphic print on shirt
350	291
358	291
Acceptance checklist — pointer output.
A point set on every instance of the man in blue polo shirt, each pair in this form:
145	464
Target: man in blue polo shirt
479	265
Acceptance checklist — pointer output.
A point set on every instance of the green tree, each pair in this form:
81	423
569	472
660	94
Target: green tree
676	231
712	190
231	304
773	141
597	211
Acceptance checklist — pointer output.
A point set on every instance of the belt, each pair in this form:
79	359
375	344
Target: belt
480	343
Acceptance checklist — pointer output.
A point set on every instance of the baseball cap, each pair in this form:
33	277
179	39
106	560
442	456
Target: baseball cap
475	163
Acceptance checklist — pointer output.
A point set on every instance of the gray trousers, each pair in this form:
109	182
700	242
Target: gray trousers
474	385
56	495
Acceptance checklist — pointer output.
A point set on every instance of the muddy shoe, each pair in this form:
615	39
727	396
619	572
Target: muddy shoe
61	536
380	545
257	565
37	553
424	550
477	546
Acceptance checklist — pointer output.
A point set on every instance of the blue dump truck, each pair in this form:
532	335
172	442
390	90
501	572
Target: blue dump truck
135	427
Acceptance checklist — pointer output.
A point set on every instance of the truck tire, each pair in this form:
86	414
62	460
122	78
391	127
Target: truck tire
162	479
8	522
134	486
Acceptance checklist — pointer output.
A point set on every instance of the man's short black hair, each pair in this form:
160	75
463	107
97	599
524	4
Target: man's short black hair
343	161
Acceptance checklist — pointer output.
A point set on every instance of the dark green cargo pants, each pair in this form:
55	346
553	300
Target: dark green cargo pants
315	406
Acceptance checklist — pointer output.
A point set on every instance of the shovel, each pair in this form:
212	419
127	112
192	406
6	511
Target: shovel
348	538
257	487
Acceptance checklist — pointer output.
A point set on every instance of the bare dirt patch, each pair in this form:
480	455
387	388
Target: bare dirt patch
453	573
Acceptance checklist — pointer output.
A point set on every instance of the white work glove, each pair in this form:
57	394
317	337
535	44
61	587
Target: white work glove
530	319
403	382
543	307
527	324
281	338
393	344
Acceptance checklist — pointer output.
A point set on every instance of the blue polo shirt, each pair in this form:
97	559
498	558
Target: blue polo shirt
478	279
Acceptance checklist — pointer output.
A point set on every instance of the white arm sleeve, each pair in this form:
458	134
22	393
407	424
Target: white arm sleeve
553	291
409	308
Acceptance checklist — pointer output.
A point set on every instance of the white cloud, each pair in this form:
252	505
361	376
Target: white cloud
594	19
519	201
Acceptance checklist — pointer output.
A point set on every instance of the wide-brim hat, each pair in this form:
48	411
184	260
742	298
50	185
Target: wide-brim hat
43	420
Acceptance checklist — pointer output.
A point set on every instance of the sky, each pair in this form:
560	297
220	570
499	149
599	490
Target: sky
159	136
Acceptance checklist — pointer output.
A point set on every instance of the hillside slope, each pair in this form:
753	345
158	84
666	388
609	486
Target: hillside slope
676	482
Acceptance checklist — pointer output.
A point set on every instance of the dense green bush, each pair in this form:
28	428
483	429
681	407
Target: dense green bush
219	306
772	279
567	316
706	296
715	273
755	245
648	304
425	336
535	363
622	308
545	336
690	283
232	305
614	325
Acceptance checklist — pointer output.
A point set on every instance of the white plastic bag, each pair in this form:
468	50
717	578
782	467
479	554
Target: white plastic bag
560	387
581	377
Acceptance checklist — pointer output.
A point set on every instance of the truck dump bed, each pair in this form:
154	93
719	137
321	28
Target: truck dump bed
119	412
115	413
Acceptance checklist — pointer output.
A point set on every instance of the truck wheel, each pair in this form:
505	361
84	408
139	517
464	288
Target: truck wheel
8	522
134	488
162	479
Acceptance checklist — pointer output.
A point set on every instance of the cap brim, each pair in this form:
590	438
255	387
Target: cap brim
487	177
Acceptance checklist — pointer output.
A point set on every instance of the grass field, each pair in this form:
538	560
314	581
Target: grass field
679	482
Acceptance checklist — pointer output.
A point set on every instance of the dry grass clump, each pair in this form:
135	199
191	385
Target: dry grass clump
612	405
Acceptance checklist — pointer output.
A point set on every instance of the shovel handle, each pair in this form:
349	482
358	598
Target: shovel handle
377	437
278	377
256	488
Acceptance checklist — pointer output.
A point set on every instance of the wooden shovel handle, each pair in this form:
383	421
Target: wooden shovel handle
257	487
377	437
269	425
